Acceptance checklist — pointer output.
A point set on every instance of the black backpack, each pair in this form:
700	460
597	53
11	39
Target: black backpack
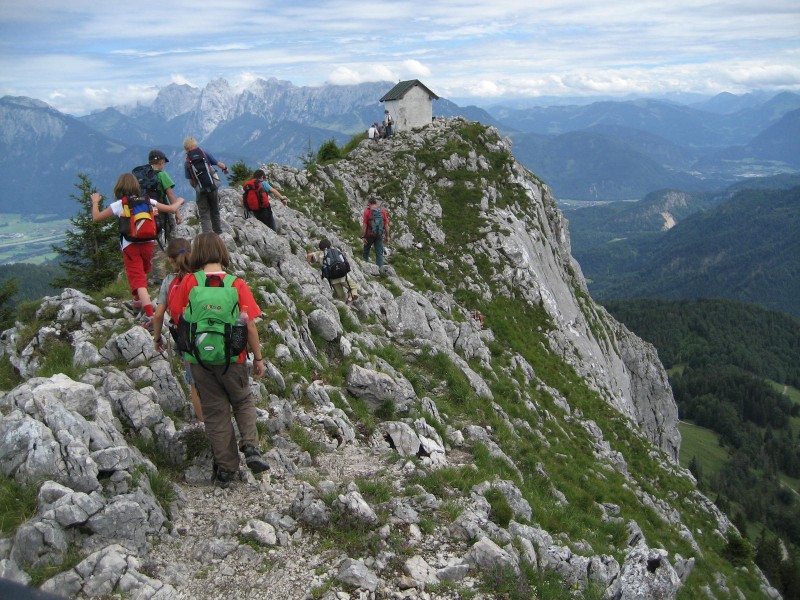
148	182
200	170
334	264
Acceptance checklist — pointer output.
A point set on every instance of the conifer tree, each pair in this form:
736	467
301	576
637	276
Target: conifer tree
91	257
8	290
240	173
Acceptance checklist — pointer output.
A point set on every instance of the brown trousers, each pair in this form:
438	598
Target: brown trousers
220	394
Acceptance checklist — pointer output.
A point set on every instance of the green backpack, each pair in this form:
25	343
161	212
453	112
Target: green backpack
211	328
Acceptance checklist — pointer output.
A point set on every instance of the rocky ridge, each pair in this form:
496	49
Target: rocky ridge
415	452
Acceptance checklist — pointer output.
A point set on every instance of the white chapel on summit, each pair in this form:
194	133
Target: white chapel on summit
410	104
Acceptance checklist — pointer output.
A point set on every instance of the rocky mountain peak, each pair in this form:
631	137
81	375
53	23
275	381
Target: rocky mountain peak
473	421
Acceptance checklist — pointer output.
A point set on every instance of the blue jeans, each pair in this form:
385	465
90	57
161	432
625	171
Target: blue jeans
378	242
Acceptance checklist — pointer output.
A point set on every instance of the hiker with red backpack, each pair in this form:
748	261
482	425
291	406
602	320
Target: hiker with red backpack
256	195
179	257
138	231
375	231
199	170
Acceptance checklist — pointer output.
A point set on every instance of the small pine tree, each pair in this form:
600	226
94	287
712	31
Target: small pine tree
329	152
308	159
240	173
91	257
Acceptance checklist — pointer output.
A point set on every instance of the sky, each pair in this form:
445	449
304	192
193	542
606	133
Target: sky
80	55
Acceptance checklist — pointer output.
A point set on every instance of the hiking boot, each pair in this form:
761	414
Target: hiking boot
223	478
255	462
147	323
134	305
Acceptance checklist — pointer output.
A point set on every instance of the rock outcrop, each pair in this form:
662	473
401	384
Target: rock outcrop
416	450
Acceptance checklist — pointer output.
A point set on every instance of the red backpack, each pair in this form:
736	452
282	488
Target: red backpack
137	223
254	196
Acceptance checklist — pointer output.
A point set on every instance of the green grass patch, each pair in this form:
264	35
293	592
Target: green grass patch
301	437
41	574
703	444
9	377
58	359
17	503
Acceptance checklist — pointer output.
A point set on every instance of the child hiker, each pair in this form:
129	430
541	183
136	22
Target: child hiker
178	257
137	236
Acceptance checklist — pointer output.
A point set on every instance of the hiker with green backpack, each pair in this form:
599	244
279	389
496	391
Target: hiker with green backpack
375	230
216	326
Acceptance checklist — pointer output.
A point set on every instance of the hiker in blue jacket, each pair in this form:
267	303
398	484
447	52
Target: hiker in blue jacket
206	196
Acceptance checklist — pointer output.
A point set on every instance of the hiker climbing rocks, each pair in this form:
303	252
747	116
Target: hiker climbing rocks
199	170
336	270
138	230
375	230
256	198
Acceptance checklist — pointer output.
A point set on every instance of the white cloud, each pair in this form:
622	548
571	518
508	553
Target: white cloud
415	69
81	53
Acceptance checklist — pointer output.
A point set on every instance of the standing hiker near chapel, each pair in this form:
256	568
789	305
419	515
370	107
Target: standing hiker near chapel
199	170
336	269
138	231
375	231
256	198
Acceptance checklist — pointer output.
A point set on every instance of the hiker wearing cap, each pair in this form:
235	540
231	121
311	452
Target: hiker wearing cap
157	160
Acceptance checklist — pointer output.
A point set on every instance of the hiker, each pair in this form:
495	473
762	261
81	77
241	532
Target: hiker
375	231
157	160
178	258
255	198
336	270
138	232
203	300
372	132
199	170
388	123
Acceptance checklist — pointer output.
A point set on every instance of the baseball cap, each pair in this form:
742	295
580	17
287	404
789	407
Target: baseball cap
157	155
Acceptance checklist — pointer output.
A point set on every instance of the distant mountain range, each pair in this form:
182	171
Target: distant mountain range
604	150
740	244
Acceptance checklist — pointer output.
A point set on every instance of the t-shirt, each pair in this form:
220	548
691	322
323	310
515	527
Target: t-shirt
164	289
116	208
267	187
165	181
385	221
180	299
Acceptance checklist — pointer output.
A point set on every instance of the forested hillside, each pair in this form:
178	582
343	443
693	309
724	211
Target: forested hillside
33	281
746	249
732	368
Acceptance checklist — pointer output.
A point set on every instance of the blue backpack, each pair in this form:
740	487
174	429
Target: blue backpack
375	228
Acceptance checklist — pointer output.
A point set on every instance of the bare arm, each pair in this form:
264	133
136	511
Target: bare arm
158	323
174	200
170	208
255	347
97	214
